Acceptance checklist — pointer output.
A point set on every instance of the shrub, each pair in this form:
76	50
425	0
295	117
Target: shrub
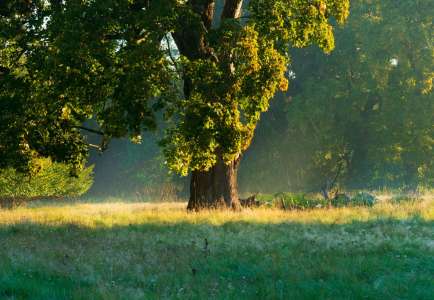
296	201
52	180
307	201
341	200
363	199
266	200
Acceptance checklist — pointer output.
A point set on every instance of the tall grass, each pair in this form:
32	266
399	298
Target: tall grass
121	250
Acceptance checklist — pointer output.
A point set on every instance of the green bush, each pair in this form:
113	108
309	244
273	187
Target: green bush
296	201
341	200
363	199
51	180
359	199
265	200
307	201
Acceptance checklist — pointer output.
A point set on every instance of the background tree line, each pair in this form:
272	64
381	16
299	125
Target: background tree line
365	111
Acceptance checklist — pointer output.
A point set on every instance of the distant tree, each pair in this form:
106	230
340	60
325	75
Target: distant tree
116	62
366	109
375	95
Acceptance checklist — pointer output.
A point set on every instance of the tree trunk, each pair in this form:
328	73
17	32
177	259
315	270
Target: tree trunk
215	188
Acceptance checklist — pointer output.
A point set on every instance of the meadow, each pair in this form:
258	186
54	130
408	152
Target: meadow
124	250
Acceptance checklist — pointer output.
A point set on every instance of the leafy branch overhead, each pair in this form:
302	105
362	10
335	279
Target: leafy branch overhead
104	63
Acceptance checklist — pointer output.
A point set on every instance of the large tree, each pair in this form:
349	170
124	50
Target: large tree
116	62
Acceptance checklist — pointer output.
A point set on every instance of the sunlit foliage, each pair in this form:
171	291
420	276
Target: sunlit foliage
47	179
234	86
66	62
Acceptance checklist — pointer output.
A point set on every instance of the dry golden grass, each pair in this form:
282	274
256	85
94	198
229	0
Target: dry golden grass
126	213
122	250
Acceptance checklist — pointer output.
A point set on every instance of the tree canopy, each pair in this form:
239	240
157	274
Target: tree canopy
116	62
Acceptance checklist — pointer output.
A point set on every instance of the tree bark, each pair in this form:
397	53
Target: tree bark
215	188
232	9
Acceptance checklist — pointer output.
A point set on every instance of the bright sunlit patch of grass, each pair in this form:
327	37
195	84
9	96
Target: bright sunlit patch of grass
126	250
119	213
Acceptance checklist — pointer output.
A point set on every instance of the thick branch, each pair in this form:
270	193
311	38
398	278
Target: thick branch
208	14
338	173
96	147
232	9
89	130
205	8
190	38
169	49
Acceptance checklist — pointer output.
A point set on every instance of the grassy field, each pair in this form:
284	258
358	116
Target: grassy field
158	251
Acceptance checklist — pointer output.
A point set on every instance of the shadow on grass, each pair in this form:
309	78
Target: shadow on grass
384	258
